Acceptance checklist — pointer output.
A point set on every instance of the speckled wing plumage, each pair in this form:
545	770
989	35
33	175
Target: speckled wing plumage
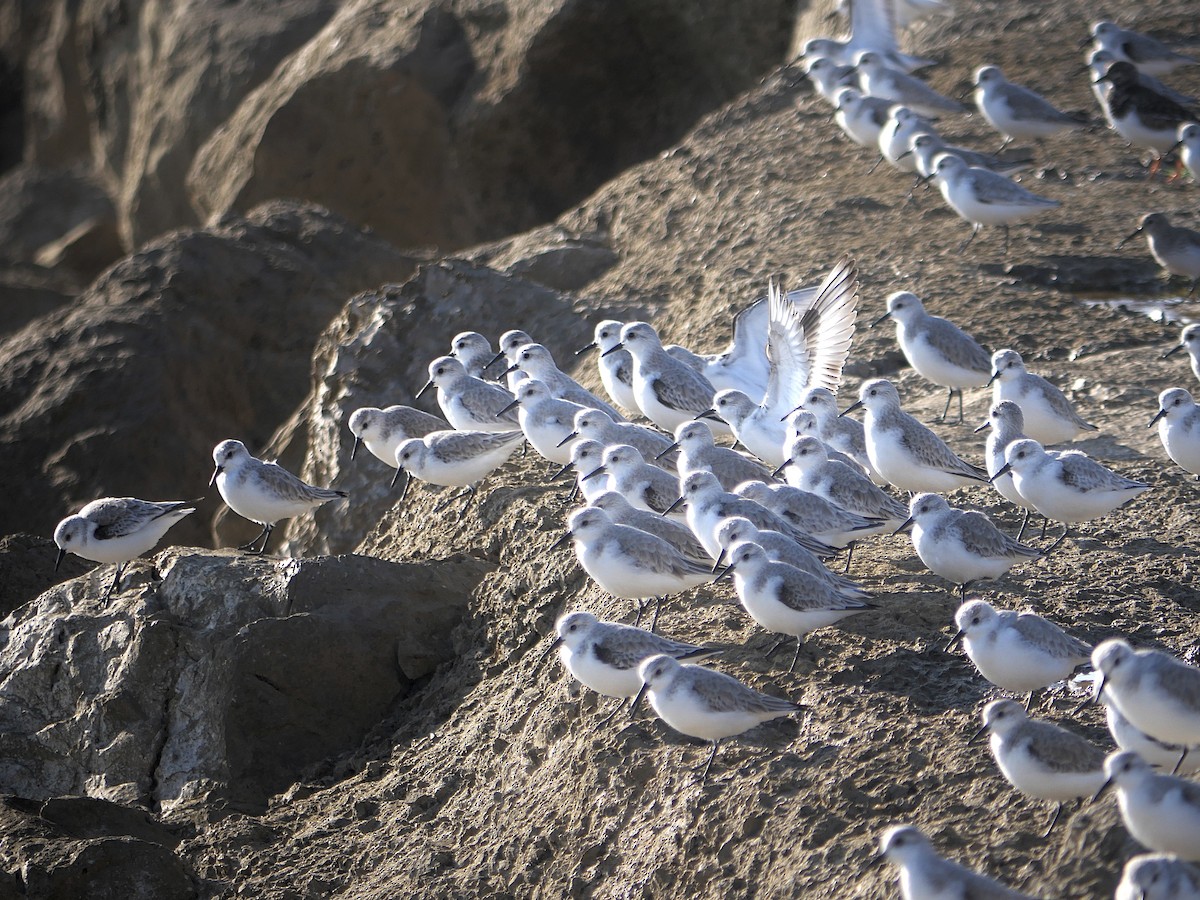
455	446
118	516
930	451
1083	473
1044	633
286	486
723	693
956	345
802	592
981	537
625	647
1058	749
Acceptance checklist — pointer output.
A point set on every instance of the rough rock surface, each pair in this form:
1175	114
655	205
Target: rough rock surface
494	776
215	675
201	336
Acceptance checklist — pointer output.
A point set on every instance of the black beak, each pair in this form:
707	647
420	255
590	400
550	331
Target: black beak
1104	787
717	564
674	446
396	476
1129	237
495	359
724	572
613	349
995	375
1003	470
58	559
583	350
1172	351
954	640
569	437
1158	415
904	525
562	540
508	407
602	470
679	501
561	472
783	465
638	699
851	408
217	471
554	645
888	314
789	412
978	734
354	449
710	414
987	424
427	386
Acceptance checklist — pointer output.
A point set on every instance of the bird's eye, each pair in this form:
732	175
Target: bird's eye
441	370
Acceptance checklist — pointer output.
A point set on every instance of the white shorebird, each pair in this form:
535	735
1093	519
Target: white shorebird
787	600
469	403
586	457
801	423
961	546
844	485
829	76
675	533
781	548
1157	693
879	79
263	492
842	433
927	147
861	118
643	484
1188	146
668	392
1158	876
1142	116
628	563
983	197
811	514
455	459
702	703
1015	111
1178	421
546	421
938	349
474	351
1039	759
1006	422
1049	416
1173	247
895	138
924	875
873	27
537	362
1160	812
509	343
382	430
594	425
708	504
605	656
117	530
616	369
1165	757
697	451
1189	340
1068	487
906	453
1148	54
1018	652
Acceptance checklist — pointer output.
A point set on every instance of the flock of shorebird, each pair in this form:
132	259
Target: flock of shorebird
668	506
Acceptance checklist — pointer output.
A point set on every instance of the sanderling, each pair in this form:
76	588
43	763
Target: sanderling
926	148
668	392
845	485
702	703
509	343
842	433
781	548
697	451
1189	339
263	492
1018	652
1173	247
959	545
628	563
1067	487
382	430
536	362
878	79
1188	146
455	459
873	25
905	452
1160	812
828	76
784	599
1049	416
708	504
1158	876
1006	421
811	514
546	420
643	484
925	875
1015	111
1163	756
677	534
895	138
586	457
1141	115
802	423
616	369
470	403
1146	53
1156	692
938	349
1179	428
1040	759
116	530
859	116
983	197
473	350
594	425
605	656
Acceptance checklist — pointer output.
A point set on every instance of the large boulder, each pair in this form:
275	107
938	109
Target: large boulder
203	335
213	674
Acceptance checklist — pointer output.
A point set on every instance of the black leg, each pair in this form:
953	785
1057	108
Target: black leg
775	646
1029	701
470	492
1024	522
1045	525
116	583
849	556
875	165
946	410
620	706
266	537
1182	757
1005	227
796	657
638	618
657	606
967	243
708	765
1053	820
250	545
961	416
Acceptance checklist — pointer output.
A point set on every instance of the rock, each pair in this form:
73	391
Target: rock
215	675
203	335
78	847
38	206
377	353
27	569
29	291
87	248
